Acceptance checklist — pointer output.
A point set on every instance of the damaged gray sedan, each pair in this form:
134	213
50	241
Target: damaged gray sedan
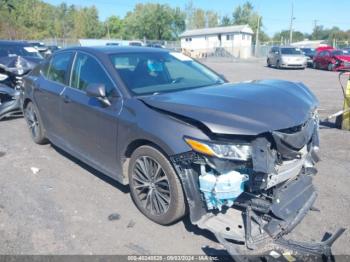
237	158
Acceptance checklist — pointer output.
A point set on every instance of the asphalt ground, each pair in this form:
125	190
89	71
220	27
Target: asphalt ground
68	208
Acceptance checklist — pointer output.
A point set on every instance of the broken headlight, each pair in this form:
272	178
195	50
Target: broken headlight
236	151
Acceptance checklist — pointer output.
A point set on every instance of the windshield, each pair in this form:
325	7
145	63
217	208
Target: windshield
340	52
150	73
13	50
290	51
308	51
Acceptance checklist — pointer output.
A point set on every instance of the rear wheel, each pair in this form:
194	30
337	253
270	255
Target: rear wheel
35	126
155	187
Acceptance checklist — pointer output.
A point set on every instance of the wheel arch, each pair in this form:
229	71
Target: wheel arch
26	102
135	144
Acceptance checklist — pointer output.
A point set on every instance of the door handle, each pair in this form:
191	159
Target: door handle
66	99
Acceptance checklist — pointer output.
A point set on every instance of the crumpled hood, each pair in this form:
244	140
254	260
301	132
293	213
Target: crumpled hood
248	108
343	57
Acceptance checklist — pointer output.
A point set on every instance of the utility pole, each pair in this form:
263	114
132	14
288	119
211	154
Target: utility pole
314	33
257	37
291	24
108	33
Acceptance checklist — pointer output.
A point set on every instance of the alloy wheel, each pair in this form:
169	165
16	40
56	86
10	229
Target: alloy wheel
32	120
151	185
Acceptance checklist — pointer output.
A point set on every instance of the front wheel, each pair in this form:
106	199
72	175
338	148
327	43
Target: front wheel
278	65
35	126
268	63
155	187
330	67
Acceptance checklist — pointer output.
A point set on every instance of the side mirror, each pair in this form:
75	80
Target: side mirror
98	91
222	76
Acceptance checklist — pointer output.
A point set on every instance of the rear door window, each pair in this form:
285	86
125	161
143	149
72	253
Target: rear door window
86	70
59	67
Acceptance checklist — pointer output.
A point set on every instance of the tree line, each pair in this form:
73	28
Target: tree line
36	19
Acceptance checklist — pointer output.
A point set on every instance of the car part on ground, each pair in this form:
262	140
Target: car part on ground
241	159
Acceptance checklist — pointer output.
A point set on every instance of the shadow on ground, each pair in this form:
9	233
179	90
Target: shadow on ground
107	179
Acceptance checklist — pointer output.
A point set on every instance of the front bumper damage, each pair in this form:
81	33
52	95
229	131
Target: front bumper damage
277	194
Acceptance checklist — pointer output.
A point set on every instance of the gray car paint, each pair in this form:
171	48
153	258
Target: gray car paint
244	109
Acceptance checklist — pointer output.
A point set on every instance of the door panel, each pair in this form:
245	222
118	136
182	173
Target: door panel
50	84
90	127
47	96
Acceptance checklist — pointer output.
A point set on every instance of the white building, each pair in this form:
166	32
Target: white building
232	40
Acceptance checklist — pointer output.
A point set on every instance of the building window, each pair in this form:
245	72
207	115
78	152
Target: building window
243	36
227	37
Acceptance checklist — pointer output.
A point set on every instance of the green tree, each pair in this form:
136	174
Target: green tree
284	35
154	21
225	21
245	14
199	18
87	24
114	26
212	19
7	5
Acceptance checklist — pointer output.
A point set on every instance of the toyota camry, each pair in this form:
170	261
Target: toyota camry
238	159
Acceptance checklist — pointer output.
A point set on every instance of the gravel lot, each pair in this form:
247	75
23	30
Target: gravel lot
68	208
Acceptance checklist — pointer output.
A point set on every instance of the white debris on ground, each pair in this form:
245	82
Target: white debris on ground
35	170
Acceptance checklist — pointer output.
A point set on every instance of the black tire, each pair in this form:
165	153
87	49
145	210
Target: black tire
268	63
150	196
278	64
35	124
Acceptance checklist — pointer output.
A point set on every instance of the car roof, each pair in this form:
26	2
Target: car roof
108	50
9	42
288	47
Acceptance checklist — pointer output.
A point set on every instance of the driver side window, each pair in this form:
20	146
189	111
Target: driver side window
86	70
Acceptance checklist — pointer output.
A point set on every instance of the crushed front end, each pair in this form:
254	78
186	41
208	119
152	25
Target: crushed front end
252	194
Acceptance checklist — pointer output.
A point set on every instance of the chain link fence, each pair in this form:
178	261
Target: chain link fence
215	54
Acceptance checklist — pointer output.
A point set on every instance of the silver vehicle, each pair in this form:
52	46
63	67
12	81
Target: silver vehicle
286	57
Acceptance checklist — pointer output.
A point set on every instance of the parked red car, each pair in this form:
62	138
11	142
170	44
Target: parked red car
332	60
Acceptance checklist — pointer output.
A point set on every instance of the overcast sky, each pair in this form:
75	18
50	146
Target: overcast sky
276	13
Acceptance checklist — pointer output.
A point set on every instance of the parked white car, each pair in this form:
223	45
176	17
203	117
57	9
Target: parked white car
286	57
